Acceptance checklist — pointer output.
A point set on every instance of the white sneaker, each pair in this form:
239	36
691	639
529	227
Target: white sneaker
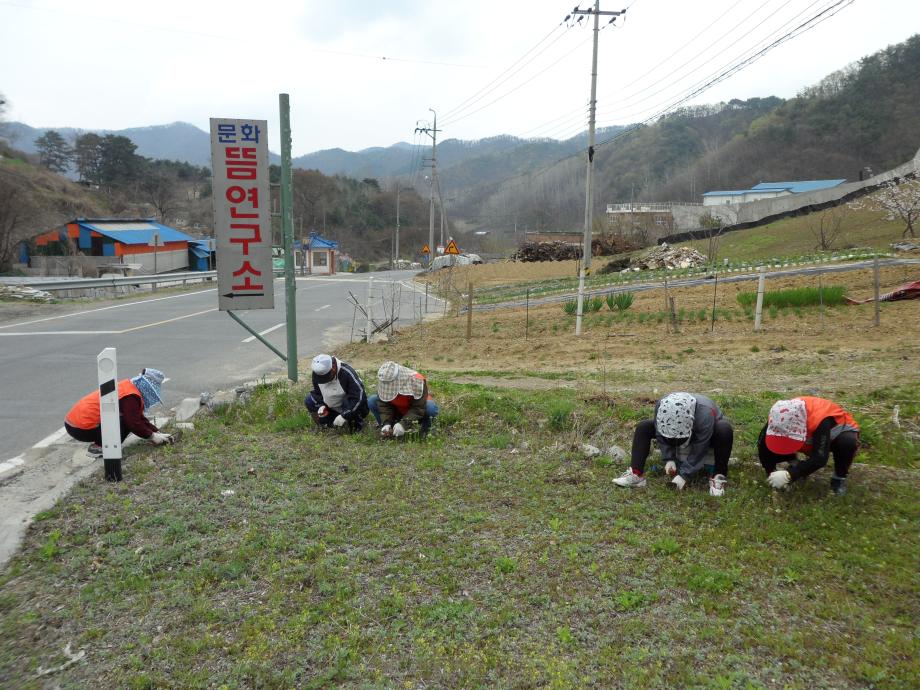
629	479
717	485
677	483
670	468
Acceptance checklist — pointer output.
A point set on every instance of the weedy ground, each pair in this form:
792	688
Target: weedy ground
260	552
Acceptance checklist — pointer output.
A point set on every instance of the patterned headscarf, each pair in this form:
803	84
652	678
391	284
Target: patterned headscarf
676	413
393	380
787	426
149	383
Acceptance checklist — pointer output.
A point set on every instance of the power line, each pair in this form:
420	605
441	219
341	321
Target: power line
811	23
486	89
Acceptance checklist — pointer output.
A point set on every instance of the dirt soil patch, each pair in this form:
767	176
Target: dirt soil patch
825	351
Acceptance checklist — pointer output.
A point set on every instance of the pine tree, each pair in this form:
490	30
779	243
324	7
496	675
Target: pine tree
54	153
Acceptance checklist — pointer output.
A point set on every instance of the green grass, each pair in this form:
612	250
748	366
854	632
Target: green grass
347	561
795	297
792	236
621	301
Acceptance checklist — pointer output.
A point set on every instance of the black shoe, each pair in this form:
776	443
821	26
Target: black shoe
95	450
839	486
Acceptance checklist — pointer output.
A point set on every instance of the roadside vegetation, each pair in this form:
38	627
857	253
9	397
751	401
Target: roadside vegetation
259	552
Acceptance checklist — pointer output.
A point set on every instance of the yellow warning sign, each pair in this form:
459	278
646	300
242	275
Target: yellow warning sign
426	250
451	248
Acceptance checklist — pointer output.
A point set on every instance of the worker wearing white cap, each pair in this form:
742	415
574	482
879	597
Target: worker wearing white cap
338	397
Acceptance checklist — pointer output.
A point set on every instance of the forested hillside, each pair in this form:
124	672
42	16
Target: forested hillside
864	115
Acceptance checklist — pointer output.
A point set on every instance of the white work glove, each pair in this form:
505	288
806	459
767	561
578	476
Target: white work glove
386	430
338	421
678	482
670	468
158	439
779	479
398	430
322	411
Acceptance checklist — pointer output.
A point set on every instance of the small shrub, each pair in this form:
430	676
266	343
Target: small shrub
594	304
754	348
702	314
570	307
621	301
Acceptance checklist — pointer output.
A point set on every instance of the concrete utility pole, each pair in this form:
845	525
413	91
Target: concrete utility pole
433	133
589	184
397	225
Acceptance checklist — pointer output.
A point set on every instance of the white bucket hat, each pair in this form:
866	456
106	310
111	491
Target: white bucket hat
675	416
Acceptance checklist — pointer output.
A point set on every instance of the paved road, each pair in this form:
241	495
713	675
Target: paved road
48	362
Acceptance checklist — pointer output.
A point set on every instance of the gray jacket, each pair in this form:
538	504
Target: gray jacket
692	457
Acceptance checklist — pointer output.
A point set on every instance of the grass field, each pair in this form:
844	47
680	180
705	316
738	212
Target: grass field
261	553
493	555
796	235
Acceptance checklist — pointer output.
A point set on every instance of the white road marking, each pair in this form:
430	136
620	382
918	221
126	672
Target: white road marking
416	288
11	463
325	306
114	306
266	331
51	439
63	333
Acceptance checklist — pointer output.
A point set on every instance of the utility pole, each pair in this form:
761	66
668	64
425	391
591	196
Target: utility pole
589	182
397	224
433	133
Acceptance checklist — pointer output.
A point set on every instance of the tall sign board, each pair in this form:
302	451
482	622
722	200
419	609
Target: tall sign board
242	220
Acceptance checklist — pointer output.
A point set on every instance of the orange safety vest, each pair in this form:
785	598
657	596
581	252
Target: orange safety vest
85	414
819	409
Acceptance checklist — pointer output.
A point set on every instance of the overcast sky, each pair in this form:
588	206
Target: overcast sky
364	73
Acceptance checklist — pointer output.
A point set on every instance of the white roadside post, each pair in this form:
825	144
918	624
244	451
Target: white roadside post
759	310
107	371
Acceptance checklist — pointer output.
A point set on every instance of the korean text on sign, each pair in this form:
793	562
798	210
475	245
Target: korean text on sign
239	157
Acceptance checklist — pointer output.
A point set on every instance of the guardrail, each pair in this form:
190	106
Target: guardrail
116	281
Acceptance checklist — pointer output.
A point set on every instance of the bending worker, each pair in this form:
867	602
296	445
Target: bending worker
809	425
338	395
402	398
690	429
84	421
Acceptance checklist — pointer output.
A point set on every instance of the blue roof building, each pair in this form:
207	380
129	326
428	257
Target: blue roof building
766	190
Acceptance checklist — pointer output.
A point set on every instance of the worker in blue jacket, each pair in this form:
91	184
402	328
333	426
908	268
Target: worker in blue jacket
338	396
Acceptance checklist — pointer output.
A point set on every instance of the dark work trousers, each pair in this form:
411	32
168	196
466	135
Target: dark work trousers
354	424
94	435
721	443
843	448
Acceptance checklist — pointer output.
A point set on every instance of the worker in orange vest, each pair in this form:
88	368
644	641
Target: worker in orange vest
402	398
809	425
84	421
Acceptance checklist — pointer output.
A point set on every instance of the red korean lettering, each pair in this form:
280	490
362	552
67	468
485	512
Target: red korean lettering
246	241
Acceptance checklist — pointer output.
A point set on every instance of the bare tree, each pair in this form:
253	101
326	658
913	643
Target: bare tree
826	227
160	189
18	216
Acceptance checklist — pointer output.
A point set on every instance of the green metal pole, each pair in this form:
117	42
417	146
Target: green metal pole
287	225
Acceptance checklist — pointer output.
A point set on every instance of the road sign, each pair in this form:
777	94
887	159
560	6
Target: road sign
239	161
451	248
426	249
